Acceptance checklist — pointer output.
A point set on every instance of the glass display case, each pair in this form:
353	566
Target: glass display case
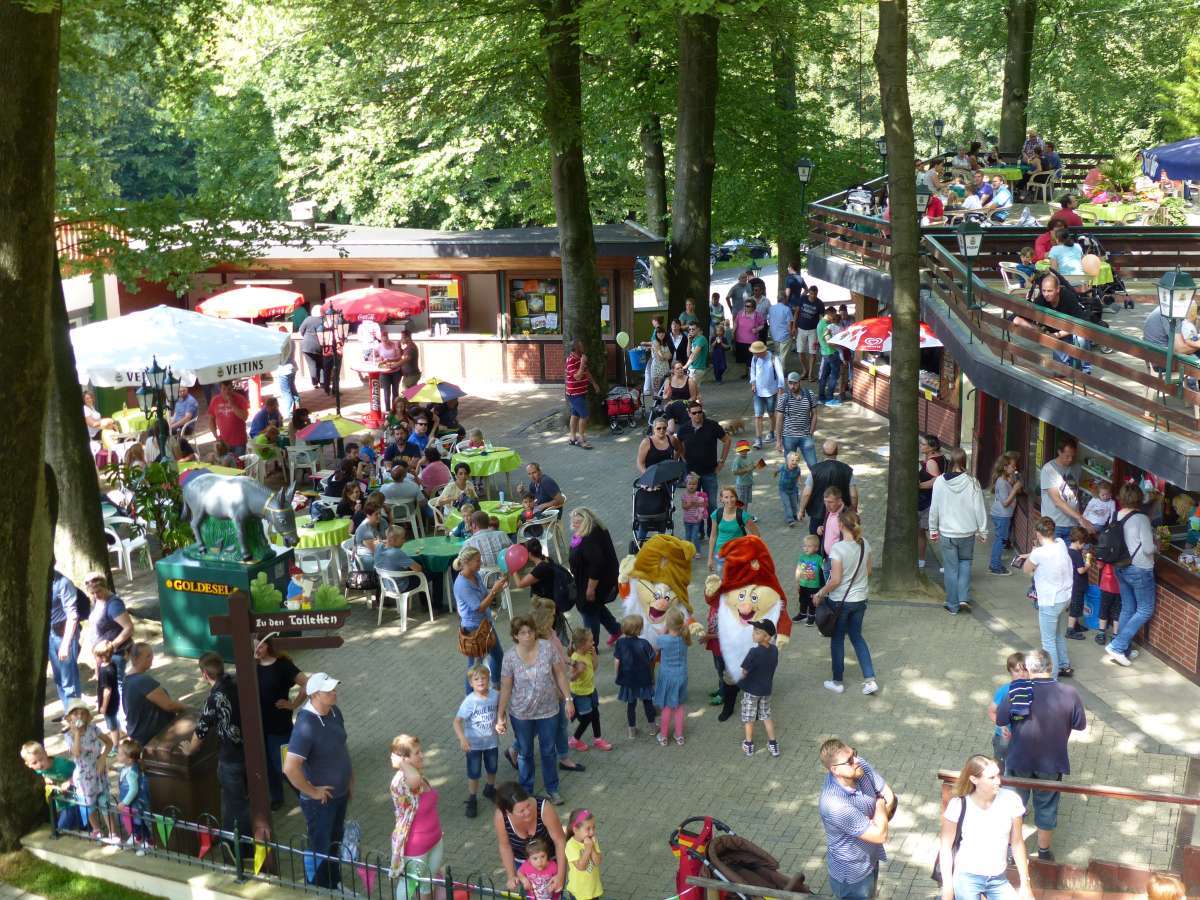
535	305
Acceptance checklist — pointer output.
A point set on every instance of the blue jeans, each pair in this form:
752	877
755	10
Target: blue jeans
287	395
594	615
994	887
1137	604
1083	344
66	672
863	889
694	532
325	823
1063	531
957	553
791	504
546	733
1052	625
1043	803
850	623
830	372
711	487
495	659
1002	526
275	765
807	446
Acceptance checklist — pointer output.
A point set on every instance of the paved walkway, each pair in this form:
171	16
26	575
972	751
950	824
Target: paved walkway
937	674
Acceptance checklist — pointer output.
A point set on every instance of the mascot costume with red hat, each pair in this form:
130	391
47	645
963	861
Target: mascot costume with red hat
747	591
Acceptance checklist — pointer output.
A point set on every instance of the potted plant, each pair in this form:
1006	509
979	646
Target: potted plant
156	501
1118	174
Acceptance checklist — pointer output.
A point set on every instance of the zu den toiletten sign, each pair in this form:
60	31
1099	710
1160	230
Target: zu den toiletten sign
286	620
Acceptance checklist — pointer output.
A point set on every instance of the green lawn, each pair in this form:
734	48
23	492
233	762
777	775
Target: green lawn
25	871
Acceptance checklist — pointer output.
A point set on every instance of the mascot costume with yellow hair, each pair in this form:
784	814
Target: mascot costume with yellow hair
747	591
655	580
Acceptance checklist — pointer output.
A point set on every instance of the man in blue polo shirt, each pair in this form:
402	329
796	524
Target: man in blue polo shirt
855	806
544	489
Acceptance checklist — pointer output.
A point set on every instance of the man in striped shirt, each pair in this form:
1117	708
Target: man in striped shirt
855	807
579	382
795	419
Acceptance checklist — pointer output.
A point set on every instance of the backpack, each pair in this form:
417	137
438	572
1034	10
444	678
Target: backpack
83	605
1110	543
565	592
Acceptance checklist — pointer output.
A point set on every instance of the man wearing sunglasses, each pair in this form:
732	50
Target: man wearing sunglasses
855	806
700	437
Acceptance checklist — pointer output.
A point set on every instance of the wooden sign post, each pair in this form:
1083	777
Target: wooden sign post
243	626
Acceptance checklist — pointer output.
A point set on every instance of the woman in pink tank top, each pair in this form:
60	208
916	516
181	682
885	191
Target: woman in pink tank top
417	837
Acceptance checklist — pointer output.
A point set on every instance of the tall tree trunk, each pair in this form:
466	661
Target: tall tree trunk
788	228
79	545
695	160
562	116
29	74
654	179
900	531
1018	61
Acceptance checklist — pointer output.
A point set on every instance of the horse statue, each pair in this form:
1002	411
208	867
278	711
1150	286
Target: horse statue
240	500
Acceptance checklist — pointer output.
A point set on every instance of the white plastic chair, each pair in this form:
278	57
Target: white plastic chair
319	561
124	540
407	511
1015	281
551	532
351	560
252	466
1041	184
301	458
445	445
389	586
489	576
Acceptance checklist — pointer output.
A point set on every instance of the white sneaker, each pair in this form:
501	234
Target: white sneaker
1119	658
870	687
920	563
836	686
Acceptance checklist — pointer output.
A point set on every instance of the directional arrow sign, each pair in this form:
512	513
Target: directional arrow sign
285	620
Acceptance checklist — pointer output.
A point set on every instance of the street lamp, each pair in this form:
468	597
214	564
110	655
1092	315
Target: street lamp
881	147
970	239
1175	292
804	171
939	128
334	330
158	393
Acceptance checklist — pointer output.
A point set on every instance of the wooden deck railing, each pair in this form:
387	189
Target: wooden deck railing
1123	379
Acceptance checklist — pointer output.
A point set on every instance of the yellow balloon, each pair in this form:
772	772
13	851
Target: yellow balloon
1091	264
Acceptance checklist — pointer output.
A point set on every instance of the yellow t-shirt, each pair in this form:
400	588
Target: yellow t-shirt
585	884
585	684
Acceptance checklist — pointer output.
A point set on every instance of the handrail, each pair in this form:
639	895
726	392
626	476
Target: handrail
949	776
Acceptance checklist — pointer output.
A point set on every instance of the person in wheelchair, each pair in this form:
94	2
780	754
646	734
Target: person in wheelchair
1052	291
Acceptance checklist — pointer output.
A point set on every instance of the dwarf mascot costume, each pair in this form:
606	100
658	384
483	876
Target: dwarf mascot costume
656	580
747	591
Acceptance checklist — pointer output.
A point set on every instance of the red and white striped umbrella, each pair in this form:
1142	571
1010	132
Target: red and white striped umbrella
875	336
251	302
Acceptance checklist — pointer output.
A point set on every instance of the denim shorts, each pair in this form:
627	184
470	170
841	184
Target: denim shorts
764	406
1044	803
585	703
578	404
478	760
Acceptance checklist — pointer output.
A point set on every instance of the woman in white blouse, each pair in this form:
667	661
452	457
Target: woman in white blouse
980	823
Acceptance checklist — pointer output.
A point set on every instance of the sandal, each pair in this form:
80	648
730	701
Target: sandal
1066	672
585	445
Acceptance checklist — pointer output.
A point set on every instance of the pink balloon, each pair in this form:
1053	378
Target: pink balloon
1091	264
516	556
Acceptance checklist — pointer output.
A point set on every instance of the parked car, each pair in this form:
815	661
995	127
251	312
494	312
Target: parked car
755	248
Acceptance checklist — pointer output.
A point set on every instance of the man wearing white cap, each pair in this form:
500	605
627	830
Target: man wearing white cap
318	766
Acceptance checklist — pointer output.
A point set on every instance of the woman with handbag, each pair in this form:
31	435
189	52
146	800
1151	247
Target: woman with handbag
477	636
846	599
981	822
594	564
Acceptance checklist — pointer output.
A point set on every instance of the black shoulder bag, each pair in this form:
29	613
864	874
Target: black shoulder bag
828	612
936	874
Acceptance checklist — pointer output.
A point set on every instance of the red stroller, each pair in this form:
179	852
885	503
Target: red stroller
726	858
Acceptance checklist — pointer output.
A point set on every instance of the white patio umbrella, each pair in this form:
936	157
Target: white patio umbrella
113	353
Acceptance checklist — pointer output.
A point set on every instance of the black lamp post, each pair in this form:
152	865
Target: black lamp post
158	393
804	171
334	330
1175	292
881	147
939	128
970	239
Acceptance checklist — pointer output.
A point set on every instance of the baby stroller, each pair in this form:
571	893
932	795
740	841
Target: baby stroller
1105	294
653	503
726	858
674	411
624	407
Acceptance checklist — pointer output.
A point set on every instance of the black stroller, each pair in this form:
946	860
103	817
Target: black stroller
653	501
726	858
1105	294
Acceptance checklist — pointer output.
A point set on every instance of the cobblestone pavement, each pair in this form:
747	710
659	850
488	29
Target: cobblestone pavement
936	672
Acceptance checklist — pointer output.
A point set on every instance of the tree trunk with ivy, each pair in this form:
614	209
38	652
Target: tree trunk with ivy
1021	16
899	569
79	544
29	73
695	161
562	117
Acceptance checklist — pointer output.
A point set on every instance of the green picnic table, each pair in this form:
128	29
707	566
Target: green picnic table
435	554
